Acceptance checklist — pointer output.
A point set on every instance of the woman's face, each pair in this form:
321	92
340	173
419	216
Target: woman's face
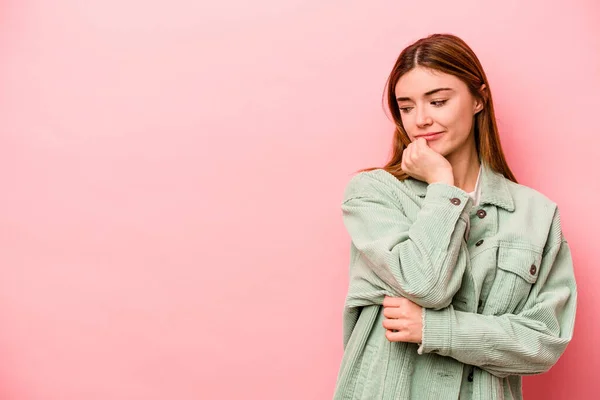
433	102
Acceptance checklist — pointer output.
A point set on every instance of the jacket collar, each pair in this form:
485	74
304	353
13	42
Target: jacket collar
494	188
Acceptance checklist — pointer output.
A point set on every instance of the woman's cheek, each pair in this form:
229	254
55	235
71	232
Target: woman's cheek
408	128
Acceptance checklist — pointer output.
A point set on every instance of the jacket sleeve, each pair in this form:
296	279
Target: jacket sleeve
526	343
418	258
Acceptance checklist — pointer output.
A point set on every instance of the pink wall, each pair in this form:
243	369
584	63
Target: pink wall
172	173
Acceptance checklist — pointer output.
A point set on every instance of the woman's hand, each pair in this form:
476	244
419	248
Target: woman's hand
424	164
403	316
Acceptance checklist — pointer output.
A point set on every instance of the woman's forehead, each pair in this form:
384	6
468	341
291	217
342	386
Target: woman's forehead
420	81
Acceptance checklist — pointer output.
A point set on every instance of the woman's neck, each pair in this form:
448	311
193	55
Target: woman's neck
465	166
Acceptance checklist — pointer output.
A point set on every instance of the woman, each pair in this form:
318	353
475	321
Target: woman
461	280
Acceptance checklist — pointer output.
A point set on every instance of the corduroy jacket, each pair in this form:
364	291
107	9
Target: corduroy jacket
498	299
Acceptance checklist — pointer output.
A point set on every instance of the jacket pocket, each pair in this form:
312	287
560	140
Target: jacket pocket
517	270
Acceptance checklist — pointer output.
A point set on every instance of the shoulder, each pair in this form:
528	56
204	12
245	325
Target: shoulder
528	197
541	213
373	183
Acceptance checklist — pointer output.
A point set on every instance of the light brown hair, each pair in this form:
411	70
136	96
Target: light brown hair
449	54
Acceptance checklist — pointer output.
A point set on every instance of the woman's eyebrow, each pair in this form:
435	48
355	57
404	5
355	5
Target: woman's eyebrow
426	94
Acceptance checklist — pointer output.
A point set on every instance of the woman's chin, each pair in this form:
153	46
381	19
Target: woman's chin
436	146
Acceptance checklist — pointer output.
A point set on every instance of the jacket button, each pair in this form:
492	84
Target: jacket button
481	213
479	242
533	270
455	201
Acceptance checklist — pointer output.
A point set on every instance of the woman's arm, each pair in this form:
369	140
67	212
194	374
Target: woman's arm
526	343
417	258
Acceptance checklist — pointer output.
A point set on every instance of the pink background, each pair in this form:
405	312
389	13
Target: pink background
172	173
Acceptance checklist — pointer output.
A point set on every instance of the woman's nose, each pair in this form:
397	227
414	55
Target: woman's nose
423	118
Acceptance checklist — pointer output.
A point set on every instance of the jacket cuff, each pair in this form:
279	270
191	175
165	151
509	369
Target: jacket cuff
445	204
443	193
436	332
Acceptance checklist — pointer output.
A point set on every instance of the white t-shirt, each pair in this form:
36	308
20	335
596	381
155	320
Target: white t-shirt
476	194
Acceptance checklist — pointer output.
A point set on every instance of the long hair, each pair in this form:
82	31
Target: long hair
449	54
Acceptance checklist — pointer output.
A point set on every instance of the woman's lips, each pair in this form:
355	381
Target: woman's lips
432	136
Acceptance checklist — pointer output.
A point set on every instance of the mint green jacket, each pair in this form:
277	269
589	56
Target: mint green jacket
498	298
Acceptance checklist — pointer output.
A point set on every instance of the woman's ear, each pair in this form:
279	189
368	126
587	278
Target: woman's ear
480	101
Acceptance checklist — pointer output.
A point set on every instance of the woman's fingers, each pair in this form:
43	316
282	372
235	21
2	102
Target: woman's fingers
399	336
389	301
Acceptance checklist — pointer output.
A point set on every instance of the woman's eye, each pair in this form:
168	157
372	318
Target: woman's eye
405	109
438	103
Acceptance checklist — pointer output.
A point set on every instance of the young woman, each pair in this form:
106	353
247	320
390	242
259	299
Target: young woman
461	280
